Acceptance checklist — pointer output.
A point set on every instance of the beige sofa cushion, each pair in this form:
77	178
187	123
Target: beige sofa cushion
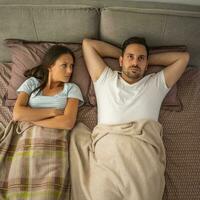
158	26
60	23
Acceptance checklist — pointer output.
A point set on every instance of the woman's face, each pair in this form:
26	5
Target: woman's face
62	69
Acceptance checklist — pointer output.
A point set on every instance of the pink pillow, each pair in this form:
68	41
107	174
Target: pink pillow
5	71
26	55
171	101
162	49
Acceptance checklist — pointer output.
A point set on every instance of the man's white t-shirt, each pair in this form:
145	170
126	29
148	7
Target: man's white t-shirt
120	102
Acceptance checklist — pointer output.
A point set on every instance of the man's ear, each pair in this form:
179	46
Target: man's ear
120	61
147	65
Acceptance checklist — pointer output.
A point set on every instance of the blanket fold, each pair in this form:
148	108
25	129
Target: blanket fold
118	162
33	162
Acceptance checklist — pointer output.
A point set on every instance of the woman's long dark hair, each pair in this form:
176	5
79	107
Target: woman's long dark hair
41	72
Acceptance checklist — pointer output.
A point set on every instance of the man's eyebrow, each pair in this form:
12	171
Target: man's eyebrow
134	54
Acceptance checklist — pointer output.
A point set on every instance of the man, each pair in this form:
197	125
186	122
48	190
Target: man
134	62
125	155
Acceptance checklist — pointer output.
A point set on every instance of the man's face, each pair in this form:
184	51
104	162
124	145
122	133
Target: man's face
134	63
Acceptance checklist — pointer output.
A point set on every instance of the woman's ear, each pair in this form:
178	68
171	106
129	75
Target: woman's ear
50	68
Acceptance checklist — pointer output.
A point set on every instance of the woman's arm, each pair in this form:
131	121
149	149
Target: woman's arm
65	121
22	112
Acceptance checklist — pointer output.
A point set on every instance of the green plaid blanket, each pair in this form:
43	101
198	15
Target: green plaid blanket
33	162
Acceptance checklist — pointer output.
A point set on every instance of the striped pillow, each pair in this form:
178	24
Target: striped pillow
5	74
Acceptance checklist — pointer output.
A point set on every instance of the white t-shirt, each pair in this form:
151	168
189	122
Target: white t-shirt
121	102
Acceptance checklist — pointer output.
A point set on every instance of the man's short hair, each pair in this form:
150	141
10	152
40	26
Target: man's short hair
135	40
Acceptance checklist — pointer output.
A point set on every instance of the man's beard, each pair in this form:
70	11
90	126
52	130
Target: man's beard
133	72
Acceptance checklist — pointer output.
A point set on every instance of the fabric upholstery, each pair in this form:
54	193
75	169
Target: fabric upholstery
159	27
47	23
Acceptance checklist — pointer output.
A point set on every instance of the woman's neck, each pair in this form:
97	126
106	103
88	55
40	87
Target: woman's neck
53	84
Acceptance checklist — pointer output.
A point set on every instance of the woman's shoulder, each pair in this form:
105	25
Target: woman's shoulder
69	86
72	88
32	80
28	85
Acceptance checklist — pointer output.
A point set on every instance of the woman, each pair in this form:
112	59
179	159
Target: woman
47	98
34	146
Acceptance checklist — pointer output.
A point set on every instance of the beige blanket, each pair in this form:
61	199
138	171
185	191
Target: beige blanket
118	162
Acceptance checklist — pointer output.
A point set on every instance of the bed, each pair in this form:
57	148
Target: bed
28	29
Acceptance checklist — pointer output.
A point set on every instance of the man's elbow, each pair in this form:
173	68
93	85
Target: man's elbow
86	42
186	57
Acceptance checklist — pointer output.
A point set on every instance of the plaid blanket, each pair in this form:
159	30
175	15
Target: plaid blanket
33	162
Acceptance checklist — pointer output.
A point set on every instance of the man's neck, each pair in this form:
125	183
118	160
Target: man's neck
129	80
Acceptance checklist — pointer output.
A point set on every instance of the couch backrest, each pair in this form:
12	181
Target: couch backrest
161	24
47	23
158	26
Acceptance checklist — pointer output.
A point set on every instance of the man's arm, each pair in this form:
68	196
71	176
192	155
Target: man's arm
94	51
175	63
